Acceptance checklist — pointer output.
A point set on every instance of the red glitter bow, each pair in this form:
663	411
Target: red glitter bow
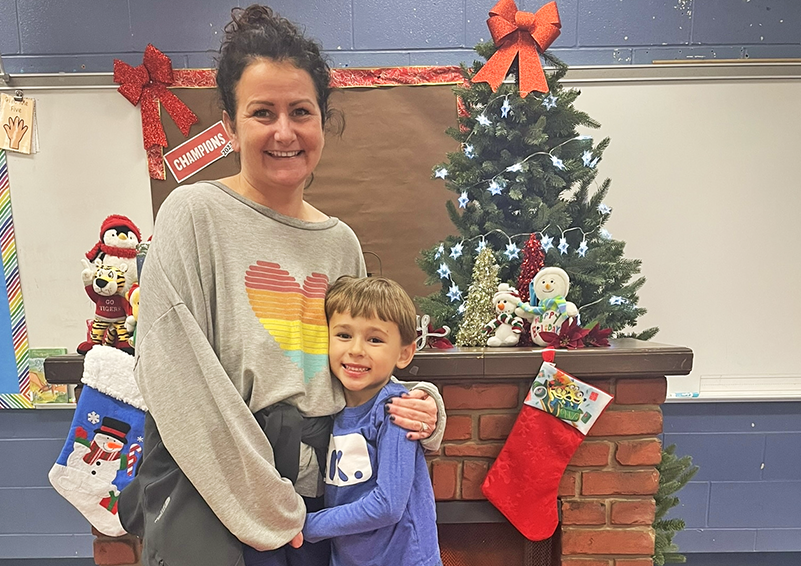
524	34
147	85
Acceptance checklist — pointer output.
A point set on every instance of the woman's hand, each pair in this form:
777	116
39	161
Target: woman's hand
416	412
297	541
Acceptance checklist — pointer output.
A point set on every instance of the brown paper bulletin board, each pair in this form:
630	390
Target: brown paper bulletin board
376	176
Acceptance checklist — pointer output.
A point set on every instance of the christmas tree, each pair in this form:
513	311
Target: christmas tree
674	473
524	169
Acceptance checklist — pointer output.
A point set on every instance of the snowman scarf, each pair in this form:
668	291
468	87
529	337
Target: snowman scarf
105	441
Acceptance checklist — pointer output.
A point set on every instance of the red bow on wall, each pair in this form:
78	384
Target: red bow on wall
147	85
522	34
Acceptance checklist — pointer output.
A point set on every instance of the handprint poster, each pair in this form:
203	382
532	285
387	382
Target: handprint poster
16	116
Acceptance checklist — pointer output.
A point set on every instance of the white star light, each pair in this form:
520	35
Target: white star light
454	294
586	157
582	249
461	308
443	271
615	300
441	173
481	245
505	108
549	101
440	251
495	188
469	152
546	242
93	417
563	245
582	138
604	233
456	250
511	251
483	120
603	209
463	200
557	163
593	163
515	168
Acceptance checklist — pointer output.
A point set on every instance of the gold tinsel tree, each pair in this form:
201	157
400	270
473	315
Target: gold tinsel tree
479	309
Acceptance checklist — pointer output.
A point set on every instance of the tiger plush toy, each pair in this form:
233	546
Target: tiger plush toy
105	285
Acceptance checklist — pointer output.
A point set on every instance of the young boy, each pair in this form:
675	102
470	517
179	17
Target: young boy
380	504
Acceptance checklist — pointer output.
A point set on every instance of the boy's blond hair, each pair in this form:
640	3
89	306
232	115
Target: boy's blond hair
373	297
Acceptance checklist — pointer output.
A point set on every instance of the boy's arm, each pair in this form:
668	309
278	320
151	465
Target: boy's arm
432	442
385	504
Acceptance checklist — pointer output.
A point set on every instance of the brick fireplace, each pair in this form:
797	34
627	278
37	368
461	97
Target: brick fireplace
606	494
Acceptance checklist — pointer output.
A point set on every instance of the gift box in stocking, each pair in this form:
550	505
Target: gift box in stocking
523	482
105	440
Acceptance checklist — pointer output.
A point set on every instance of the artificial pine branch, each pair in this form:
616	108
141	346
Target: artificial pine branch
674	473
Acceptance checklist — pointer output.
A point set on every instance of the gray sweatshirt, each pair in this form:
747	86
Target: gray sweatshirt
231	321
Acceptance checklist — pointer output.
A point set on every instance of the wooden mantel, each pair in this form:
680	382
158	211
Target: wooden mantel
626	357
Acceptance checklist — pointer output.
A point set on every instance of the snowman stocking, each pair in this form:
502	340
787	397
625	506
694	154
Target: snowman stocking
524	480
105	440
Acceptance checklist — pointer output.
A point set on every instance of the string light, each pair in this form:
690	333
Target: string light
495	188
557	163
546	242
512	251
549	101
441	173
563	245
443	271
463	200
483	120
468	151
506	107
481	245
603	209
454	293
582	249
440	251
456	250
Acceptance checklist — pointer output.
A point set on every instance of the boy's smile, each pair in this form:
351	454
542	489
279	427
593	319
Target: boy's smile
363	353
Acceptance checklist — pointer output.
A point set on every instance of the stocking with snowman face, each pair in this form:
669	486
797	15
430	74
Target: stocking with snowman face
105	441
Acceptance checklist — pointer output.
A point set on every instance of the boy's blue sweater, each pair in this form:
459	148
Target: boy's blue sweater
380	504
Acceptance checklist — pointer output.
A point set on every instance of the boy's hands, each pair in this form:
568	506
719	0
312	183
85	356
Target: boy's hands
297	541
416	411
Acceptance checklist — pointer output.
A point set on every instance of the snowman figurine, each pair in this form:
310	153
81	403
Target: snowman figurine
549	307
507	326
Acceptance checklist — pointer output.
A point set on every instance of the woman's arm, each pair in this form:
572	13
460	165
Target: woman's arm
423	404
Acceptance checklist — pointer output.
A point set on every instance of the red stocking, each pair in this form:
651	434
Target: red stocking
524	480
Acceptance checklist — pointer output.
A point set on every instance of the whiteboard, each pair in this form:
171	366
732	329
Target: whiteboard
705	191
91	164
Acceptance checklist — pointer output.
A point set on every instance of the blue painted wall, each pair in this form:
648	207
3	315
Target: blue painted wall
35	521
746	496
40	36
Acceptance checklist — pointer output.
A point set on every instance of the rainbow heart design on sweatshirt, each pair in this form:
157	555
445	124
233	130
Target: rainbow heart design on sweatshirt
293	314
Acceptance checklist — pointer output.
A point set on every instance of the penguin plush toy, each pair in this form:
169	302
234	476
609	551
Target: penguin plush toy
119	237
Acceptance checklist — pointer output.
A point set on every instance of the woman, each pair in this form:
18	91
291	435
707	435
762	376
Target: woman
232	324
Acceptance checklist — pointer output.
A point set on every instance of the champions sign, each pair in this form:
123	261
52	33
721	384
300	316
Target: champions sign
199	152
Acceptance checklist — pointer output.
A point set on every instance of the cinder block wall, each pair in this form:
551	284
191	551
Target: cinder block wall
42	36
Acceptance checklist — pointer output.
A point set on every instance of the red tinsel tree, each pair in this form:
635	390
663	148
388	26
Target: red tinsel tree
533	261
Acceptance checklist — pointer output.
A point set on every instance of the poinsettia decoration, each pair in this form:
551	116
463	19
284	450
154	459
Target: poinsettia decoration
597	336
570	336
